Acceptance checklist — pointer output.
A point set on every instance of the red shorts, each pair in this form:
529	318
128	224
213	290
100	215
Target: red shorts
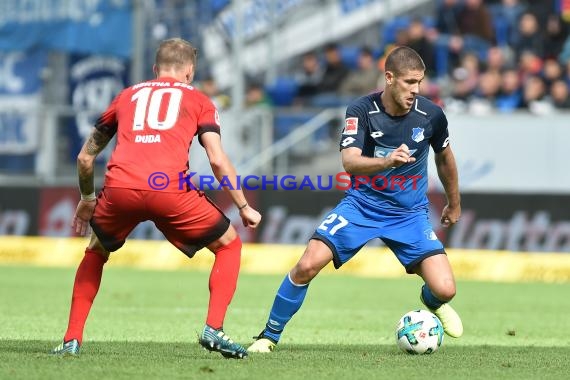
189	220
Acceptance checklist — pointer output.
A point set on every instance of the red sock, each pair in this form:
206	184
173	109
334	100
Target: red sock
87	281
223	282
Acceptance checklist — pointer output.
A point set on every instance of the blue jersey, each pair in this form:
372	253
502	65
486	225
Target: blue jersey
370	128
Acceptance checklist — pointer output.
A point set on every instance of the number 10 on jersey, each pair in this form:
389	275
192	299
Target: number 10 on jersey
151	115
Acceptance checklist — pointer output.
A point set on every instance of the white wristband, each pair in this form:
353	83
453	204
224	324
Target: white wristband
90	197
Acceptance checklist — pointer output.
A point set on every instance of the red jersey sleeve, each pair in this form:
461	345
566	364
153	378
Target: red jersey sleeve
107	123
209	119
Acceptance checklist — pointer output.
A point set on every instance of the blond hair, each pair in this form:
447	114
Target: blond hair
175	53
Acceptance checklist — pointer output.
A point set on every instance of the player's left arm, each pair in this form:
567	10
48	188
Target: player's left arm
225	172
446	167
447	172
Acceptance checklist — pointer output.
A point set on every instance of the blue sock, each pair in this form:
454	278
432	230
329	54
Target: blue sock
429	299
288	301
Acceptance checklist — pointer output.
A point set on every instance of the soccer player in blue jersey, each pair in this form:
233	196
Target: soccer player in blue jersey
384	146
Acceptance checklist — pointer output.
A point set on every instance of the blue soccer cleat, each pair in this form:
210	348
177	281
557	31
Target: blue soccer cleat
69	348
217	340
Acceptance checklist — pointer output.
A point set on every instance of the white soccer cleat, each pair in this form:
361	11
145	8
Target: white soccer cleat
450	320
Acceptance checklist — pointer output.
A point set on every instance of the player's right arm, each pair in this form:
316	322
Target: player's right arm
96	142
355	163
352	143
102	133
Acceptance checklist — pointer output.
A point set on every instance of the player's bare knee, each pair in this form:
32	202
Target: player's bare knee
446	292
228	237
233	246
96	246
303	272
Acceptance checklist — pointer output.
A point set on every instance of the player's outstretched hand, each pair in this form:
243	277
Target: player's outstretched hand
250	217
450	215
401	156
83	214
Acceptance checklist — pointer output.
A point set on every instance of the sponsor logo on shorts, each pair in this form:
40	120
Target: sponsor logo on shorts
430	235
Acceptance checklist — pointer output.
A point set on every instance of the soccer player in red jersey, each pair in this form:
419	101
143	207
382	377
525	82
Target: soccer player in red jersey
155	123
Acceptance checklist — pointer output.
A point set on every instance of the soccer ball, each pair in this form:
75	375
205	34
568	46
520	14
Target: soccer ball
419	332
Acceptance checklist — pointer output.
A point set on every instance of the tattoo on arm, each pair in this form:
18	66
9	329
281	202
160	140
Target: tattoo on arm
97	142
86	182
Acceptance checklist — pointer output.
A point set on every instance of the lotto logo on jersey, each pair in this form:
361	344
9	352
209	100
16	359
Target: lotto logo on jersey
351	126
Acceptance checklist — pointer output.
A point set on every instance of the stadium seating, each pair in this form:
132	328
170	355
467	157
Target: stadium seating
282	91
284	122
390	29
349	56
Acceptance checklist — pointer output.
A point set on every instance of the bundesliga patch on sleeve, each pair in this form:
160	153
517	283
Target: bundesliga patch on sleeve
351	126
217	117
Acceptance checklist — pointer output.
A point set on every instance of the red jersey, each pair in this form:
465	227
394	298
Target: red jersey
155	123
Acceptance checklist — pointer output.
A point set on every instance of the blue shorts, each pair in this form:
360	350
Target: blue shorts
351	224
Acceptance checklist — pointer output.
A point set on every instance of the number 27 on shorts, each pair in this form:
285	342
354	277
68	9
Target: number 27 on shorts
333	223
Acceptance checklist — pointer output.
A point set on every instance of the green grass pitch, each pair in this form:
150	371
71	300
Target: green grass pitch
144	325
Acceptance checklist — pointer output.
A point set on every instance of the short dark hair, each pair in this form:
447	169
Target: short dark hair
331	46
366	50
175	52
403	59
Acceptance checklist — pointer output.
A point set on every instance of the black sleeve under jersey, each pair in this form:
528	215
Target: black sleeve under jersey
440	137
107	122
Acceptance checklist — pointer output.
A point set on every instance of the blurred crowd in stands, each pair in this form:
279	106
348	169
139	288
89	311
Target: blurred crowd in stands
482	56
